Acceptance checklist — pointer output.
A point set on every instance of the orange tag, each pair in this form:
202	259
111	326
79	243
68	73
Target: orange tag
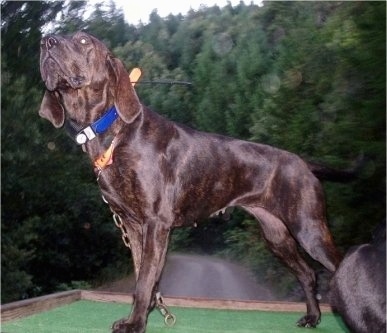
135	75
105	159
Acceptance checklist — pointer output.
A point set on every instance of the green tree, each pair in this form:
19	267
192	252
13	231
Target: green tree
108	23
23	21
53	219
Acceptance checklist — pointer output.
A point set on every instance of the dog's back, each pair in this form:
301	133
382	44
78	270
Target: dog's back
358	288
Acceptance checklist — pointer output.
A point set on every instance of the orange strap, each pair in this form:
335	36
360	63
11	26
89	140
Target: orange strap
105	159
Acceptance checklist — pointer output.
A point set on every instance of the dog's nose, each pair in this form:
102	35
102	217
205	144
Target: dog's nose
49	42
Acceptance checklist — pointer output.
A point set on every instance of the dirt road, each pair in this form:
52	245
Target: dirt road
203	276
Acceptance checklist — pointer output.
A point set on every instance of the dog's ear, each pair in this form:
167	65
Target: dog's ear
126	100
51	109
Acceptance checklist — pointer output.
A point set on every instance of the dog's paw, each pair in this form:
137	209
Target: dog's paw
120	326
123	326
308	321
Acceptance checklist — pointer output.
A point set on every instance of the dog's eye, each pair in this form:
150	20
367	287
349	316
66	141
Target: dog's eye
83	40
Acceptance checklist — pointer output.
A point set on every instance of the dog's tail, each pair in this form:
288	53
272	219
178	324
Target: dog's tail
327	173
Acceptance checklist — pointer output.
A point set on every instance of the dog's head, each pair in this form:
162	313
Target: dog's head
83	78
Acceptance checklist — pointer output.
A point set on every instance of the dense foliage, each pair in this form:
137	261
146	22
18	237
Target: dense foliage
308	77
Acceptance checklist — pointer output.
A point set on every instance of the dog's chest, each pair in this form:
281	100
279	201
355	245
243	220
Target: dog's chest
122	193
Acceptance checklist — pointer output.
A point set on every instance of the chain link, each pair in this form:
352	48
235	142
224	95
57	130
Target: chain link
118	222
169	318
125	236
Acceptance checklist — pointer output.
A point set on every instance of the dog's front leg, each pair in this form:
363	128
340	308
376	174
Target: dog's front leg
135	240
155	243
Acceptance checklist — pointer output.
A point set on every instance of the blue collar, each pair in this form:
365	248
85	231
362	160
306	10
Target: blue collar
83	135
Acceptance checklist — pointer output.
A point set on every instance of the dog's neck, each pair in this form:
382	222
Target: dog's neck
83	134
98	138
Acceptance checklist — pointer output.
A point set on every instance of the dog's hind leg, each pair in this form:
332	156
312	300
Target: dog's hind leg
306	220
316	239
284	246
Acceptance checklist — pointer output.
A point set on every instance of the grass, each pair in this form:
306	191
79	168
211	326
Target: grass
97	317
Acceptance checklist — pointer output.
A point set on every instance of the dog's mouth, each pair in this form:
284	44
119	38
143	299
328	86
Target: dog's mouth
56	76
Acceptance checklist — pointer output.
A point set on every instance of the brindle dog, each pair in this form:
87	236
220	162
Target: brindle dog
358	288
158	175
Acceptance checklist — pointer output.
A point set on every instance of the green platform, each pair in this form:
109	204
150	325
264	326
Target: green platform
96	317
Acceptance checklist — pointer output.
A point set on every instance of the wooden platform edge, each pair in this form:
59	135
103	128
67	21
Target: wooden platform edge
190	302
20	309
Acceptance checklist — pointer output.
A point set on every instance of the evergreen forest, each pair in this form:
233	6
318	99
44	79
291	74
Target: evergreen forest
308	77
